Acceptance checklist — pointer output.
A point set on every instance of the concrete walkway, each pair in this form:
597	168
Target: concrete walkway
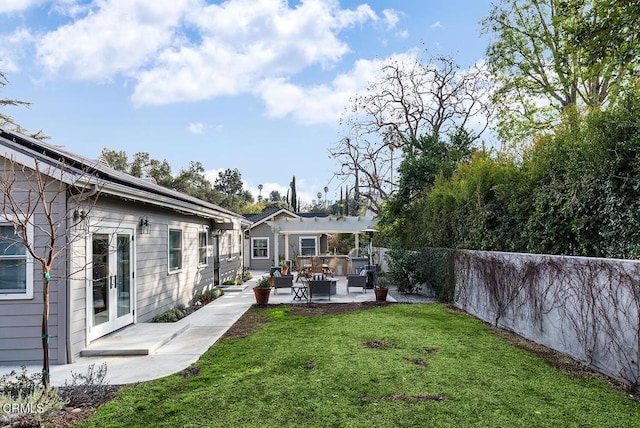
147	351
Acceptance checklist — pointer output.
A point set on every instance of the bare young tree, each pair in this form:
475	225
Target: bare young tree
408	98
41	202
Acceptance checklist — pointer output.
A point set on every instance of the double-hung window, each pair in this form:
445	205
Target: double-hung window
16	267
260	248
203	245
308	246
175	250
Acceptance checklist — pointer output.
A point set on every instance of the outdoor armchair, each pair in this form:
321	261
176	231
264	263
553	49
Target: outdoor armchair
283	281
354	280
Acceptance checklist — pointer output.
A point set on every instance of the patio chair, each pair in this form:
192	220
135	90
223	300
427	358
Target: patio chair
316	265
282	281
304	270
357	280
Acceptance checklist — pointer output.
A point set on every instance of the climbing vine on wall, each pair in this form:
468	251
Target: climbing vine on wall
587	307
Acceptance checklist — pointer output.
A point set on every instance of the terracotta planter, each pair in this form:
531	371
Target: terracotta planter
262	295
381	294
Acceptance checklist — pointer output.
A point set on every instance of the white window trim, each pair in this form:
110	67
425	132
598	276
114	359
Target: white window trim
206	247
253	239
315	239
180	229
28	294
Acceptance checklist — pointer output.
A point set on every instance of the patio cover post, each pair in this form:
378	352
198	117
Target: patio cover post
275	246
286	247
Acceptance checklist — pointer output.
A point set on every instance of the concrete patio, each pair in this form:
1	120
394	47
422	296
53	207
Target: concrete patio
146	351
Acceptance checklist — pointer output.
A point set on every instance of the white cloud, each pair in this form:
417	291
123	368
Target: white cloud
403	34
244	41
316	104
436	24
196	128
391	17
12	49
114	37
187	50
9	6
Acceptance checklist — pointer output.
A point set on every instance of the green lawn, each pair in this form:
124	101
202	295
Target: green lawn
316	372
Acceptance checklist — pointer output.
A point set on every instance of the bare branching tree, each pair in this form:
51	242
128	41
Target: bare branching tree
408	98
41	202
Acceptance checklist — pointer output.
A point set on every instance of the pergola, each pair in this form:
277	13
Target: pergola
318	225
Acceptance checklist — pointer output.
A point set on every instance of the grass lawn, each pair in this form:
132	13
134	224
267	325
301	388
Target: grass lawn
400	365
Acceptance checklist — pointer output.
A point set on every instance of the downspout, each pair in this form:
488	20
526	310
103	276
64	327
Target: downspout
67	296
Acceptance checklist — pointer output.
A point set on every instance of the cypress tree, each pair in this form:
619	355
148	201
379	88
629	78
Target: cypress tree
294	197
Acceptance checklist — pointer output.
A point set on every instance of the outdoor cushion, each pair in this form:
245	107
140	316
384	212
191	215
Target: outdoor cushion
276	273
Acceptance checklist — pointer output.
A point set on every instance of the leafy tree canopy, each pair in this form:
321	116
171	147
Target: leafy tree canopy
551	54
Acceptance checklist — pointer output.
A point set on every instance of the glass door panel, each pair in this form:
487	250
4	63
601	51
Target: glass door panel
112	281
100	283
123	275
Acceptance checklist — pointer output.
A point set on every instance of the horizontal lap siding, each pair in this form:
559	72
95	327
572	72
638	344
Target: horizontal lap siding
21	319
156	289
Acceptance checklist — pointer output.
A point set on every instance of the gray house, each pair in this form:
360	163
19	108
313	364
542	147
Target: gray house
263	247
129	249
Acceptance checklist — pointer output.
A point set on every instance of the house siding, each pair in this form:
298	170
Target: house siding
123	201
263	230
21	319
156	289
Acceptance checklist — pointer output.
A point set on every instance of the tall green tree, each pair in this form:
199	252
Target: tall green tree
544	61
115	159
294	195
229	182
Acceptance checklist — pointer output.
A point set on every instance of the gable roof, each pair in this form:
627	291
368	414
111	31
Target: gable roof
73	167
268	214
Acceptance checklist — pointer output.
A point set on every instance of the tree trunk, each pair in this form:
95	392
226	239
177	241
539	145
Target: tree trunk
45	334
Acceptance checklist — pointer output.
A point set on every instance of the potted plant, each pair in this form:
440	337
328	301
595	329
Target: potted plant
262	290
381	289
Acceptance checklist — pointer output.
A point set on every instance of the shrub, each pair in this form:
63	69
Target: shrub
207	297
23	400
13	384
29	409
172	315
409	270
87	389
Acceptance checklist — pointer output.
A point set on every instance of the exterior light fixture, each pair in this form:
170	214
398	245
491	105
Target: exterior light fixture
143	225
79	217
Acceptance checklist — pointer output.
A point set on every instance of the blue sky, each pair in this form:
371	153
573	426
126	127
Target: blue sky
257	85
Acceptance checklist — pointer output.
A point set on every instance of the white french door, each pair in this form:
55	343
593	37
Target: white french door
111	280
